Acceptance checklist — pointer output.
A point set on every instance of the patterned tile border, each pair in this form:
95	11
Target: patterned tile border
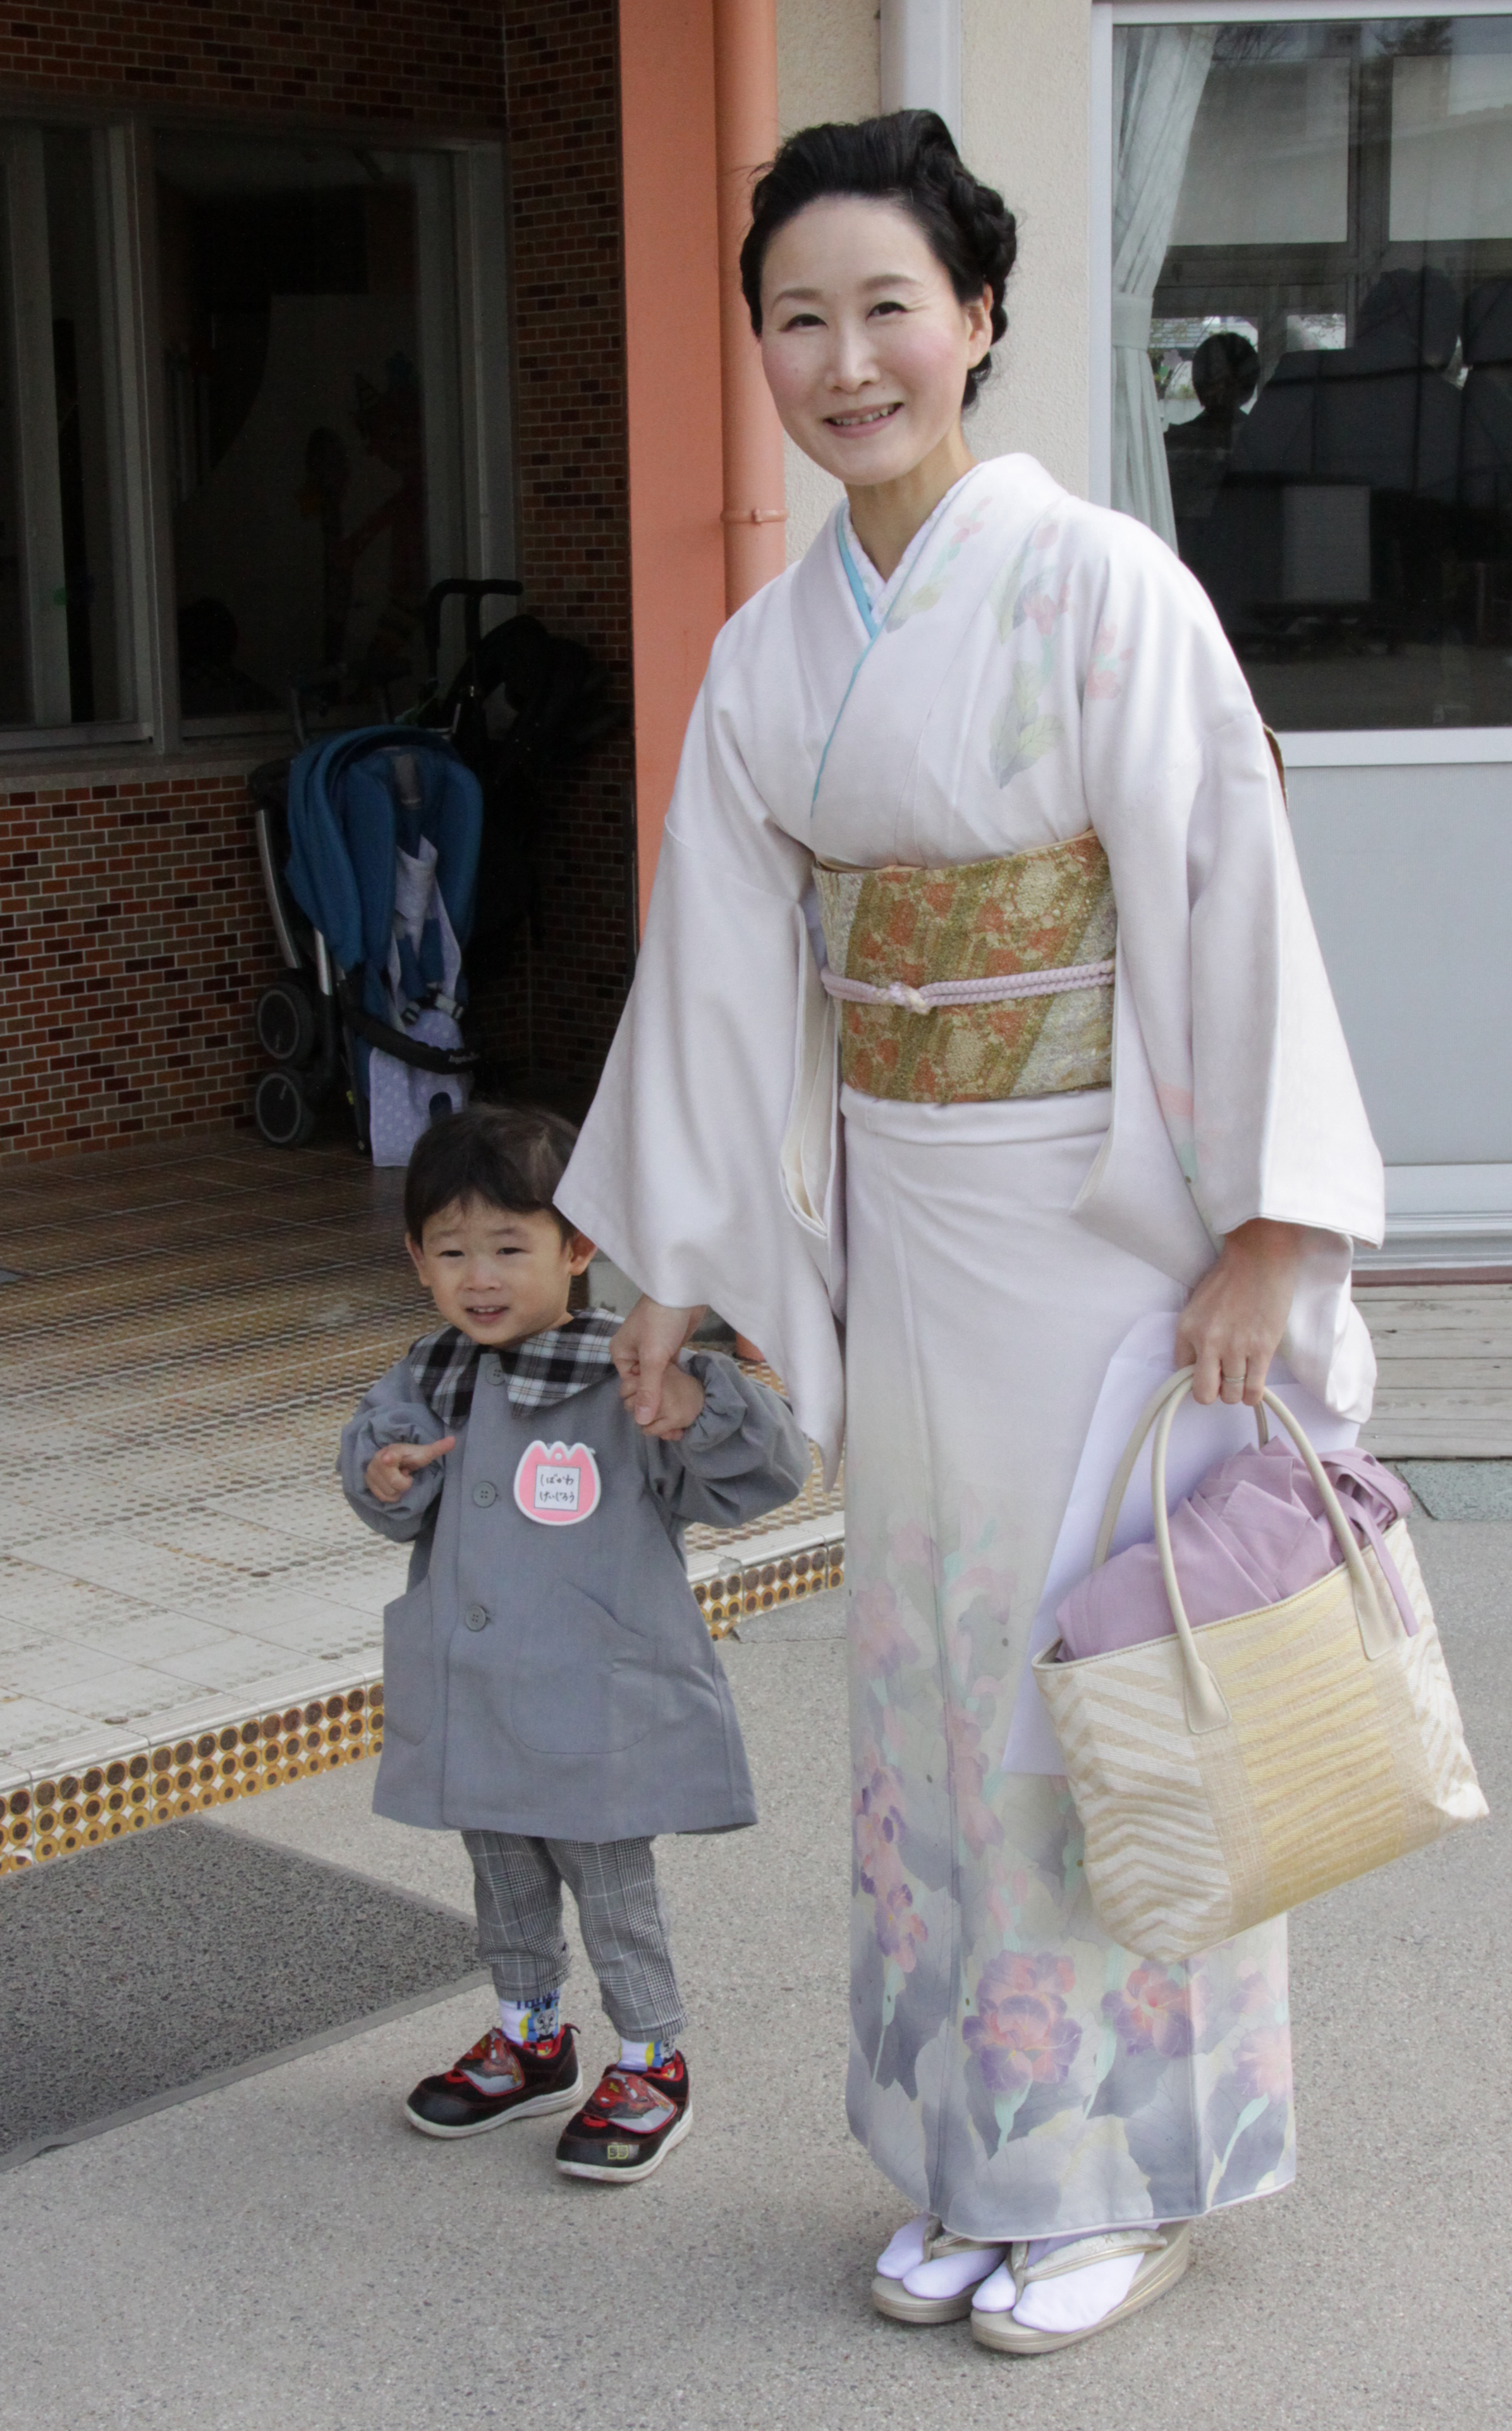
133	1785
730	1589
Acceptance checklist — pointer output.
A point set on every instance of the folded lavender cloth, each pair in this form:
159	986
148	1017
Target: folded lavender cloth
1253	1533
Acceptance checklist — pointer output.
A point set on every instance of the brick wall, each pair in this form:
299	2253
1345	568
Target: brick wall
148	1024
329	59
133	942
575	528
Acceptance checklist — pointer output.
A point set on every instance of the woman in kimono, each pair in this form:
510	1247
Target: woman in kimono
979	1017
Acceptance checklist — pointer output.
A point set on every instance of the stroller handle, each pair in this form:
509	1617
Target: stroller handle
473	593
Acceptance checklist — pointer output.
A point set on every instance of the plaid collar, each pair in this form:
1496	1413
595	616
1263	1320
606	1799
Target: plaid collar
547	1368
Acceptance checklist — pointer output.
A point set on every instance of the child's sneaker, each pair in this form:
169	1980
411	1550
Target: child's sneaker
632	2119
498	2080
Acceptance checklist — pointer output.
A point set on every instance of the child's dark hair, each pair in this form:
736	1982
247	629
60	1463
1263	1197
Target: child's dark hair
511	1157
909	158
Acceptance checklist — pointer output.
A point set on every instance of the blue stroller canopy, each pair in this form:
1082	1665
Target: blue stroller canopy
356	802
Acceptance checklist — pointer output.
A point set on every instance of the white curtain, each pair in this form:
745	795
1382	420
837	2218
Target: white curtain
1158	75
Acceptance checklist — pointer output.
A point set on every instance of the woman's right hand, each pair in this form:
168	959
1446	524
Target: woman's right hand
646	1346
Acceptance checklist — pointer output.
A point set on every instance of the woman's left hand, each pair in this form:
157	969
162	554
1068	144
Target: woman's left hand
1230	1326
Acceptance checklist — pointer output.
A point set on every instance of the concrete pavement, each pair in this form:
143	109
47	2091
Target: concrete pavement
282	2251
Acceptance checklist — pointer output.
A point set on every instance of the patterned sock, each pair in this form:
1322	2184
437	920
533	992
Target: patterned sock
531	2022
644	2055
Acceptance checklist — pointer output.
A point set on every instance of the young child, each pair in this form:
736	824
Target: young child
550	1689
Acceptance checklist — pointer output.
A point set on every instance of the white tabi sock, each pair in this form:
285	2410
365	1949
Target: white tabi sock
906	2250
949	2275
997	2295
1079	2299
1076	2300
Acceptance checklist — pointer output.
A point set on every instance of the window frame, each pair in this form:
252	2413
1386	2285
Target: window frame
474	325
1339	746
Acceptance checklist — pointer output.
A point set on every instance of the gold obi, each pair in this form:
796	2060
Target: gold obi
992	978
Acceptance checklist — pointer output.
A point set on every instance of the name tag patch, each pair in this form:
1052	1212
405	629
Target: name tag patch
556	1483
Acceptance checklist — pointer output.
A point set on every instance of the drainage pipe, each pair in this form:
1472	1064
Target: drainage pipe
922	58
745	136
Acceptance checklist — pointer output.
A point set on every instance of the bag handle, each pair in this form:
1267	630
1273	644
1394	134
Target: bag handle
1143	1424
1206	1707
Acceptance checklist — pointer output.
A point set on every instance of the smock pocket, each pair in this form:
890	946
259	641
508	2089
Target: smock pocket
408	1664
584	1684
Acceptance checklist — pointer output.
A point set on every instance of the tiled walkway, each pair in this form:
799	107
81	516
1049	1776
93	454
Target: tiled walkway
191	1325
188	1610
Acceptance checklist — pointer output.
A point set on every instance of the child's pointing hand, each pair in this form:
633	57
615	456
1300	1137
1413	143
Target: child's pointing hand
389	1473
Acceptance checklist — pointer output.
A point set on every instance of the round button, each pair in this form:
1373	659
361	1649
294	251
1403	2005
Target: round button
484	1494
476	1616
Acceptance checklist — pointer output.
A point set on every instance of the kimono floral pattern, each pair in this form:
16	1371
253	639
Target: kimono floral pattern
1022	2034
978	1960
917	598
1028	611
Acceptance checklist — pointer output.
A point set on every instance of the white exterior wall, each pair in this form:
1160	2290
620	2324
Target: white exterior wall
828	66
1026	126
1024	70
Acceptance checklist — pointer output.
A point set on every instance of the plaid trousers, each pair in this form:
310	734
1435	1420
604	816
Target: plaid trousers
518	1887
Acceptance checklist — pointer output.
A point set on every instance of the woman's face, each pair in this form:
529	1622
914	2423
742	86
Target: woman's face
864	344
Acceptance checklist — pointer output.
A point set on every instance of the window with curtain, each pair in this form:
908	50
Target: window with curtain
1312	351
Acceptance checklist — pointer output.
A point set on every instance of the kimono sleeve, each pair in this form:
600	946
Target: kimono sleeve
1217	952
743	1456
677	1173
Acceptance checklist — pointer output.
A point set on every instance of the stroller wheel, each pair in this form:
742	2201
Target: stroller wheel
281	1111
285	1019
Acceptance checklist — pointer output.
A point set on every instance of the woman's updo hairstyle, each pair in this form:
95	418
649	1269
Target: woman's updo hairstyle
907	158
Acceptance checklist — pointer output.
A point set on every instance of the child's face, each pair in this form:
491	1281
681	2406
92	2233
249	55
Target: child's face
498	1277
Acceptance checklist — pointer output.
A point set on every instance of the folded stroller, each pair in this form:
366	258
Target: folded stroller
384	827
523	706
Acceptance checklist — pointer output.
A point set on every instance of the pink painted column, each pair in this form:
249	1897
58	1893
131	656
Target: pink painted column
745	90
672	336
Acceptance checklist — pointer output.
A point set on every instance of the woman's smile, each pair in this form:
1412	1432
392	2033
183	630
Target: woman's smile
863	419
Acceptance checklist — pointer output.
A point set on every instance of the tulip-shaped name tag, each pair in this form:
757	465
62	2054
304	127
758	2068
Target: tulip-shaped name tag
556	1483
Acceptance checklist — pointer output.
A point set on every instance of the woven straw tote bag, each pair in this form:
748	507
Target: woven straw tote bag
1226	1776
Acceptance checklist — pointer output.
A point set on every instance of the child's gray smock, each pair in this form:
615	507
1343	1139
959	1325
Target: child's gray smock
558	1680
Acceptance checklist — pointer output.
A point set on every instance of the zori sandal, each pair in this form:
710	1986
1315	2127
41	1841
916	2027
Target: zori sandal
928	2275
1166	2253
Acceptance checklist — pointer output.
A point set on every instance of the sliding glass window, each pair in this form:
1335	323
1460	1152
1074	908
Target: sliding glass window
65	599
314	415
254	401
1312	351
